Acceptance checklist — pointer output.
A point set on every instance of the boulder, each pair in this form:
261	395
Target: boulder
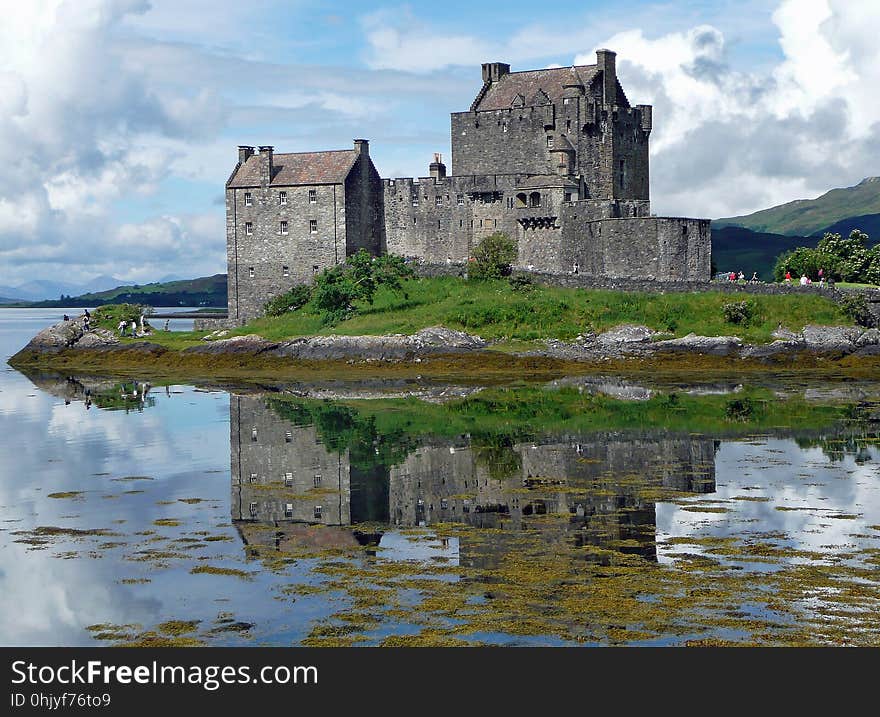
248	344
831	338
784	334
96	339
776	348
871	337
57	337
446	339
627	334
713	345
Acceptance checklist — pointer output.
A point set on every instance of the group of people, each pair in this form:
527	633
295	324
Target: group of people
734	276
86	320
806	280
123	325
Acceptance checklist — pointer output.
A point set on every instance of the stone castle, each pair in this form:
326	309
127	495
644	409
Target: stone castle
557	159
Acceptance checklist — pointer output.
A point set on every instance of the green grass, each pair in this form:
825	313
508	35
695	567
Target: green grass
497	312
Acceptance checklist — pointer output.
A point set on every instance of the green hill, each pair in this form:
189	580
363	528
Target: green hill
738	249
868	223
205	291
807	217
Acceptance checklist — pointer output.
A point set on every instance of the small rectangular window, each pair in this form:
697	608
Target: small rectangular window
288	480
317	480
313	226
285	271
460	200
283	228
253	477
253	508
313	196
251	272
415	201
568	196
550	142
318	511
248	200
282	197
288	510
248	228
438	201
254	434
288	436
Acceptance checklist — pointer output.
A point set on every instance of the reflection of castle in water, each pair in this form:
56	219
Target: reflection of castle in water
282	474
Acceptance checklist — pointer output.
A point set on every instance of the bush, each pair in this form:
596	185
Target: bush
493	257
739	312
296	298
856	307
521	282
338	289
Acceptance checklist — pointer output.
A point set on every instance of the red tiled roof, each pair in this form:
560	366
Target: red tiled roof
501	94
330	167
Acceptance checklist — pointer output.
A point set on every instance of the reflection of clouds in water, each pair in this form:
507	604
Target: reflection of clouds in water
54	599
49	446
791	477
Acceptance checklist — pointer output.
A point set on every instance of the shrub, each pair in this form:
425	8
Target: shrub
521	282
739	409
739	312
493	257
339	288
856	307
291	300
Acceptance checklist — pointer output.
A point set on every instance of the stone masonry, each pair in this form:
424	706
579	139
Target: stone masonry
557	159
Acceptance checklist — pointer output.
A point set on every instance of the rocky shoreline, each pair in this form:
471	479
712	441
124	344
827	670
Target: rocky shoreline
623	343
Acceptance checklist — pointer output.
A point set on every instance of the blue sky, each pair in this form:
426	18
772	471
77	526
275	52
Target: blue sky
120	119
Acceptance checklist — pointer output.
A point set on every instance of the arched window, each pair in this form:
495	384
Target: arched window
521	200
535	199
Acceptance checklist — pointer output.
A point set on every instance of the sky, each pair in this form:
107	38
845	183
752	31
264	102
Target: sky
119	119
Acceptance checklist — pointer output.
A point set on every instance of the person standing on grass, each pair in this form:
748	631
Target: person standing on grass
787	277
133	327
121	327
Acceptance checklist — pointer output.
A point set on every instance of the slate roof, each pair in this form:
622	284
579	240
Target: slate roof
501	94
331	167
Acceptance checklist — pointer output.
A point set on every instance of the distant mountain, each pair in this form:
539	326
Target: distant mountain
205	291
40	289
808	217
868	223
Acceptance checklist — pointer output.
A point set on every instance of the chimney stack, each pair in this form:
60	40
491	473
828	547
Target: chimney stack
244	153
362	146
437	169
607	62
494	71
266	164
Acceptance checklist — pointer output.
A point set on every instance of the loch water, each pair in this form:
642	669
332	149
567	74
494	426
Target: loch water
587	510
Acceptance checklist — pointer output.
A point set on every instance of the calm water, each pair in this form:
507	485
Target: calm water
587	511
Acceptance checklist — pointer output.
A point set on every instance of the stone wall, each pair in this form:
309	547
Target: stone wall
267	263
364	208
657	248
501	141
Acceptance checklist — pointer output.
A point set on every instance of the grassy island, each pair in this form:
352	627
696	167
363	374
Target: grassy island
503	312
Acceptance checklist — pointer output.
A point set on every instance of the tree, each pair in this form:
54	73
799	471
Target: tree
493	257
803	260
850	256
338	289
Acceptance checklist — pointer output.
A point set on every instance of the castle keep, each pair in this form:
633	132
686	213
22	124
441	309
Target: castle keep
557	159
